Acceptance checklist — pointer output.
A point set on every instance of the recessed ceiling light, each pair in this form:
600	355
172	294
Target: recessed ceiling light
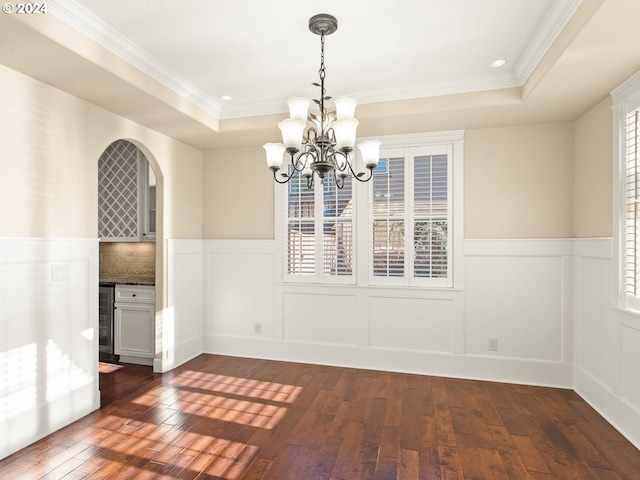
498	63
226	98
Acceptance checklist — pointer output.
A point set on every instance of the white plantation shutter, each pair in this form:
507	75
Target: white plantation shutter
430	216
626	189
320	231
632	215
388	214
337	228
410	217
301	250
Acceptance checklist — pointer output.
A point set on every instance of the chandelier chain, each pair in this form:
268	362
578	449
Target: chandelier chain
322	74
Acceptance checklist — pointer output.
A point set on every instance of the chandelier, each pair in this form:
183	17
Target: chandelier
326	147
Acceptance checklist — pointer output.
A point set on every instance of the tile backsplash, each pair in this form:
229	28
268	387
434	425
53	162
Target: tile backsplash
128	262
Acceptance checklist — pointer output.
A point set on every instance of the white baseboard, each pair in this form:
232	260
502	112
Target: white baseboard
136	360
181	353
510	370
622	415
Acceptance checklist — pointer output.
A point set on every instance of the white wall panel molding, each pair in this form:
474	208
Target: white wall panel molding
622	414
322	319
420	330
180	323
606	340
48	336
519	293
372	291
240	289
600	248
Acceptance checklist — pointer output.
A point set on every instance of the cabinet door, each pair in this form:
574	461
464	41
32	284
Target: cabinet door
149	204
134	330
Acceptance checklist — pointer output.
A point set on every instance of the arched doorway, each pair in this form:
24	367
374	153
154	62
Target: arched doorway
130	259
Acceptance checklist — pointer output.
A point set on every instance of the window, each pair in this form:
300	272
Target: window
319	231
632	199
627	154
397	229
410	217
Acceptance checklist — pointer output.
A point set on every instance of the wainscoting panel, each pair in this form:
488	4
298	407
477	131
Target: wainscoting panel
411	324
630	360
320	319
597	334
239	288
517	301
48	336
518	291
179	325
607	341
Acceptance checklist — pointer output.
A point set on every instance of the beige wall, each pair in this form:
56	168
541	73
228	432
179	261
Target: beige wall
519	182
594	171
50	143
238	194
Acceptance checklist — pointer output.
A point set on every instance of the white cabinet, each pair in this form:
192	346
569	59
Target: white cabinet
126	195
134	323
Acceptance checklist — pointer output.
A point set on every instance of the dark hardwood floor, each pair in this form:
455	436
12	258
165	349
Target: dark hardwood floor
234	418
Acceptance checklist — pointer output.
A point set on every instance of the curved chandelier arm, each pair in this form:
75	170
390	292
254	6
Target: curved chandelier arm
295	167
311	136
284	175
347	167
342	166
300	161
331	135
359	176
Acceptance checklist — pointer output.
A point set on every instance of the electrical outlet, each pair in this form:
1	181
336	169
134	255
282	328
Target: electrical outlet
257	328
493	344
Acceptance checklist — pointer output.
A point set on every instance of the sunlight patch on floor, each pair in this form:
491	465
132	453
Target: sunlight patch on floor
246	387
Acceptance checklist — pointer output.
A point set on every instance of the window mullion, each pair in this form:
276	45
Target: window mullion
409	215
319	229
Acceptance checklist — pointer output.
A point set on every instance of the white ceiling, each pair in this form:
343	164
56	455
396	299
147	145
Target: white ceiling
261	52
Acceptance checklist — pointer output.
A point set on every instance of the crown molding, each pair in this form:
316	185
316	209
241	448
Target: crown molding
452	87
381	95
552	25
629	90
78	18
81	20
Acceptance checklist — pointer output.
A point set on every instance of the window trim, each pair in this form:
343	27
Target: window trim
454	139
626	99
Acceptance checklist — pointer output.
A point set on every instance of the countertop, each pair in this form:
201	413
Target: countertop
113	283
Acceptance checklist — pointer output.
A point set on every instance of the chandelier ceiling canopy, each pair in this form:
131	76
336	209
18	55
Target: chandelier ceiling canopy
321	144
